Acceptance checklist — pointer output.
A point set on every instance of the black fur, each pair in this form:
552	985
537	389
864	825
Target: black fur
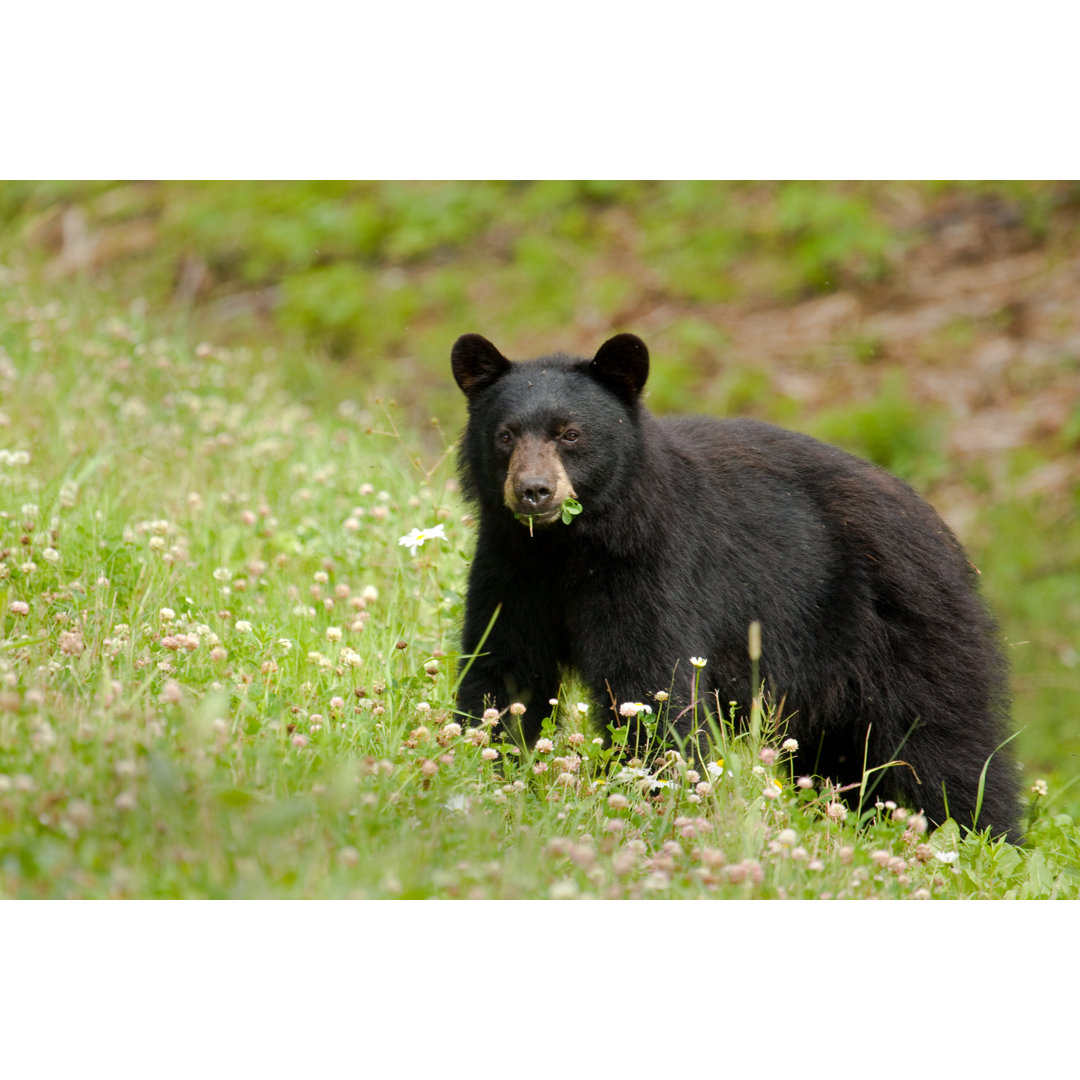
691	528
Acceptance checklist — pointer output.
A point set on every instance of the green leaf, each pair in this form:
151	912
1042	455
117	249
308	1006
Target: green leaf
570	510
235	797
946	837
1039	877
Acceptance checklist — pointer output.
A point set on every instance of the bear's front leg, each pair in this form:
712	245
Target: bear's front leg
655	705
513	660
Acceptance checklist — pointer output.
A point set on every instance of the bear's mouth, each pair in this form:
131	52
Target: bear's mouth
534	520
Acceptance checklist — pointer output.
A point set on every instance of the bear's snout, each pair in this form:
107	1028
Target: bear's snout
535	493
536	481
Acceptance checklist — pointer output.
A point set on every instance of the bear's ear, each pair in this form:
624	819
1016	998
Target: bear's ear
623	363
476	363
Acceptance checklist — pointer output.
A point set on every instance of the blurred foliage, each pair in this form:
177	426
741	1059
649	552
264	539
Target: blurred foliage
360	288
330	261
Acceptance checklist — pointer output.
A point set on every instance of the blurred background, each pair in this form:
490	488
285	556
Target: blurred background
931	327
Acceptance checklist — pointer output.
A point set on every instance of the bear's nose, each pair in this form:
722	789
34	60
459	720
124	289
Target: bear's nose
534	492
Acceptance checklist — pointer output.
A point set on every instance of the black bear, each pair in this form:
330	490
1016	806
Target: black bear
618	545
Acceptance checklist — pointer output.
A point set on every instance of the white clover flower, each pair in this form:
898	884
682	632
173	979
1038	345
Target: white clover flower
1039	787
633	708
243	626
171	693
333	633
416	538
791	745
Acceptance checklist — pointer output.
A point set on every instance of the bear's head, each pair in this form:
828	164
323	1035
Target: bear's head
550	434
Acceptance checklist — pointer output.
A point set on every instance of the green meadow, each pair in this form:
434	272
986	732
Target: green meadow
224	407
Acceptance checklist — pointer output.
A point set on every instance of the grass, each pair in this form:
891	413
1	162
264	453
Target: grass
354	290
222	674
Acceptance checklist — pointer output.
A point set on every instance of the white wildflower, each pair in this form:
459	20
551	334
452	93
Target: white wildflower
416	538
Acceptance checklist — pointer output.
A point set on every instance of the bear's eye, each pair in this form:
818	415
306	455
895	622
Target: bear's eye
503	438
570	435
